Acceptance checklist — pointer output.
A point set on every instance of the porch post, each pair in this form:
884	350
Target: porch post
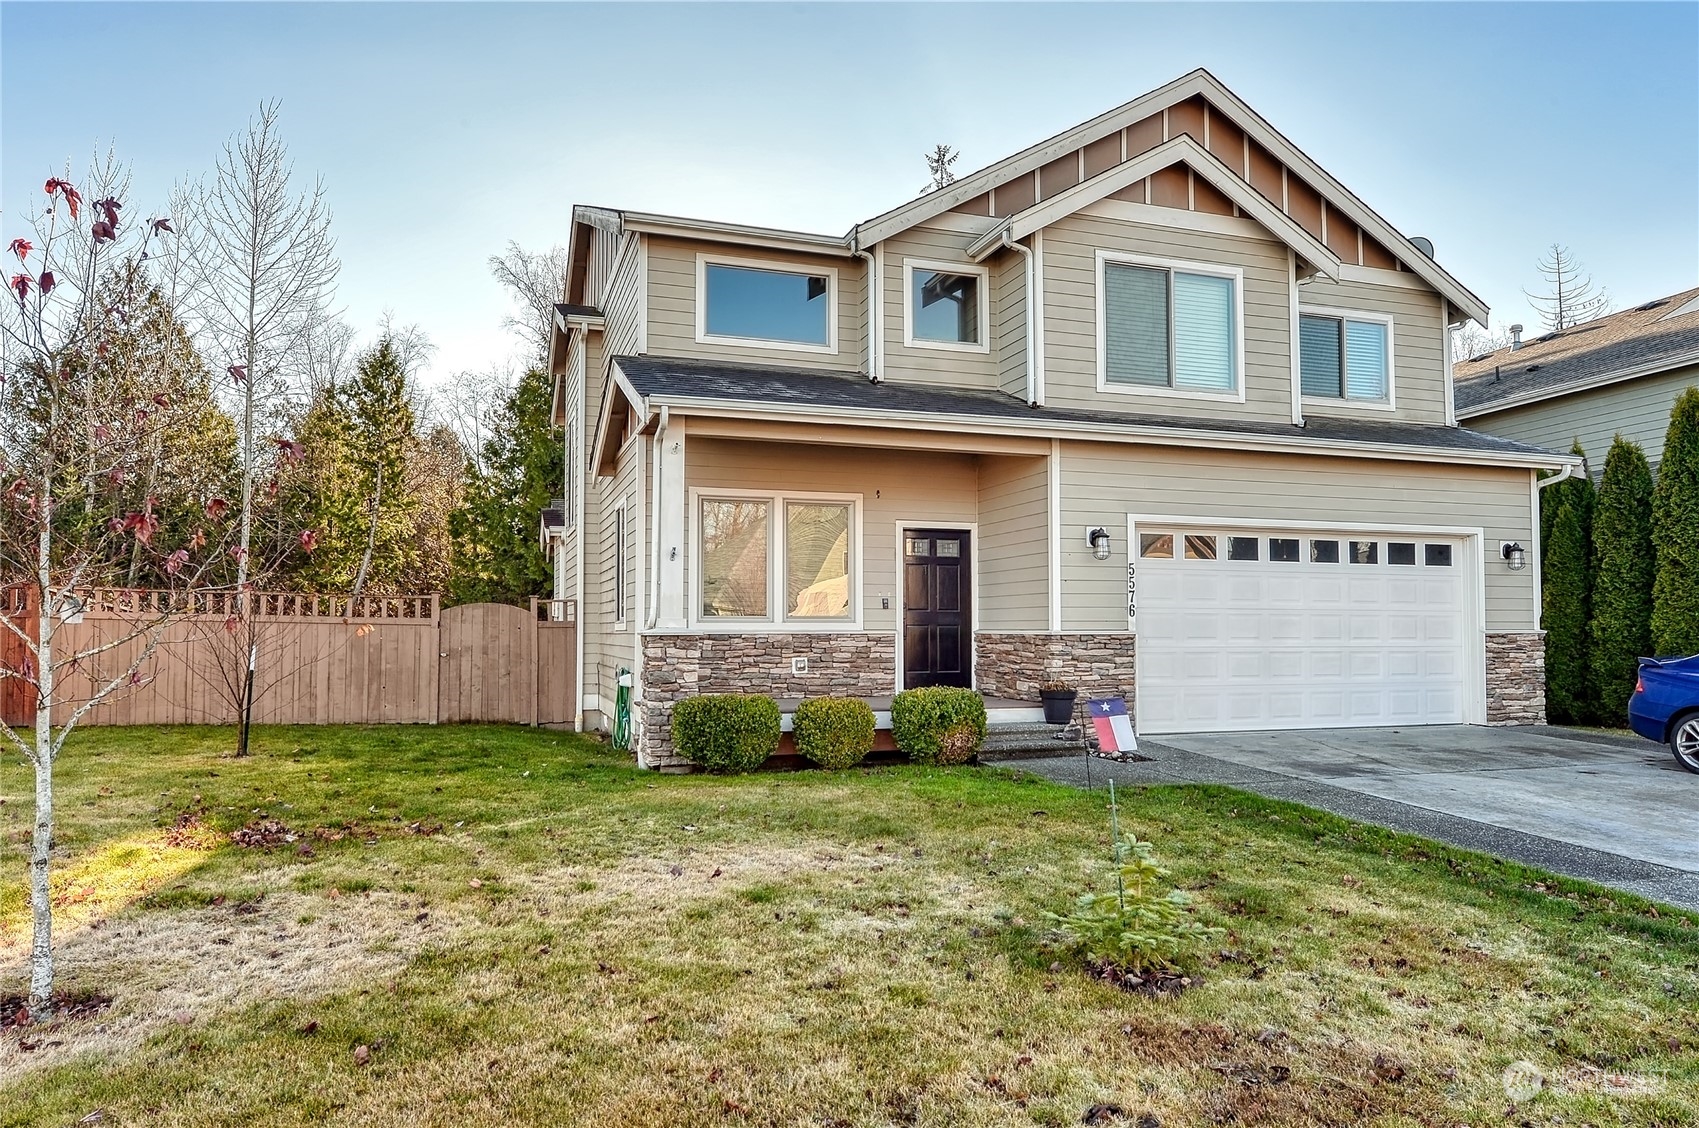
670	564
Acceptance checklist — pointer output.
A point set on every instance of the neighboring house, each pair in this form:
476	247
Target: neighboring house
1620	374
1156	407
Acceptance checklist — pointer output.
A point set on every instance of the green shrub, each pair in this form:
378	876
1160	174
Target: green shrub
1675	529
938	724
1620	631
834	732
726	732
1566	596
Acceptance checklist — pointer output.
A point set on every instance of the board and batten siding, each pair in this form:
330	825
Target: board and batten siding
912	486
1102	483
1012	554
1070	315
1638	410
1418	345
958	367
672	306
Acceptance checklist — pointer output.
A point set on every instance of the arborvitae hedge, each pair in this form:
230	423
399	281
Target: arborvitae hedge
1620	630
1675	531
1566	583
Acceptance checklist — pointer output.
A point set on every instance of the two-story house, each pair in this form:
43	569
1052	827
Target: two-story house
1156	407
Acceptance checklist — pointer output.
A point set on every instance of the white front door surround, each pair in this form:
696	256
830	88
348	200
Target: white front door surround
1246	625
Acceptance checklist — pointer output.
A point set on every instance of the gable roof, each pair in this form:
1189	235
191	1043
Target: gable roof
1649	339
757	391
1199	83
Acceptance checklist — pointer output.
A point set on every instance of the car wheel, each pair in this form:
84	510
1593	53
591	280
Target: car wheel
1684	741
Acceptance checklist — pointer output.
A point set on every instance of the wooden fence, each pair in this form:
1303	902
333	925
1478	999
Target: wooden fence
317	659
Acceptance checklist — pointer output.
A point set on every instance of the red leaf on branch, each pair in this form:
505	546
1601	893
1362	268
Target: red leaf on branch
198	540
103	232
164	225
20	284
309	539
21	248
110	206
216	507
290	450
238	553
66	189
144	525
238	372
174	563
47	282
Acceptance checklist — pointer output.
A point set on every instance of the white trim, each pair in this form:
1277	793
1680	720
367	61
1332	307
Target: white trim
1376	276
746	235
983	274
1474	561
775	621
1292	338
958	223
1390	403
669	521
1054	556
972	529
1658	367
1449	362
1237	274
1534	547
620	546
1155	215
704	260
581	476
1036	297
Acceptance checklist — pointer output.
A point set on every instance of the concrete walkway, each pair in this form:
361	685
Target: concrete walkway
1615	810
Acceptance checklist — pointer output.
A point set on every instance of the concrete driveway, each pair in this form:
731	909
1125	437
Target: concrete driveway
1611	809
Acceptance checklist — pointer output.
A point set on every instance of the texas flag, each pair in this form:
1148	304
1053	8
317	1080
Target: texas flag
1114	727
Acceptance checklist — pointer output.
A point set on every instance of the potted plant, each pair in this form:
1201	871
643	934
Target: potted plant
1058	698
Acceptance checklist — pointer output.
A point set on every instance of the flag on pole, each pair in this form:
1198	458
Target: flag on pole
1114	727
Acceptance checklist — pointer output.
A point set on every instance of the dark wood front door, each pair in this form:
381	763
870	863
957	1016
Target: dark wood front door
937	608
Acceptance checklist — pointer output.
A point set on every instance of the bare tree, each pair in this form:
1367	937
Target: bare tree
468	405
264	266
535	280
938	163
1471	340
1570	296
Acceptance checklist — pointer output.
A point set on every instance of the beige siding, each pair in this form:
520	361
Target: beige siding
1418	346
604	248
1013	561
1638	410
1070	315
924	365
1008	320
916	487
606	647
672	306
622	307
1101	484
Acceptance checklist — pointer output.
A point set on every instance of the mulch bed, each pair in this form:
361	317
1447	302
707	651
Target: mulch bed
1155	984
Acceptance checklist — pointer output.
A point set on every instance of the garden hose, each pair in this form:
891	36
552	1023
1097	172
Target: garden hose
622	710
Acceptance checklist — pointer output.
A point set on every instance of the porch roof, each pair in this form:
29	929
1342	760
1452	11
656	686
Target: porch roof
828	395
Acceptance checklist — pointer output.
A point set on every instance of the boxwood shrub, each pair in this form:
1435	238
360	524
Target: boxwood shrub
938	724
834	732
726	732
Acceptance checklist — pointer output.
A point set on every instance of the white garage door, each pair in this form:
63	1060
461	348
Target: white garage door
1256	629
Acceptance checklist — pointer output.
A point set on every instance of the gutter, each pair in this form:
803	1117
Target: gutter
1032	397
1564	475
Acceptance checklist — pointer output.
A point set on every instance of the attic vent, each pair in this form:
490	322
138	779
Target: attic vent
1651	305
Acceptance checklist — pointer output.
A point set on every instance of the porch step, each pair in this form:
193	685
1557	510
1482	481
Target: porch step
1028	740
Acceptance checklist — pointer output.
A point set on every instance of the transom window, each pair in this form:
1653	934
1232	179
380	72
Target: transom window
1345	357
742	301
946	306
1240	549
1168	327
755	554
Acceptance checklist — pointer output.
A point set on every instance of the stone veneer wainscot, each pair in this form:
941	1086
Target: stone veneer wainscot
676	666
1014	665
1516	678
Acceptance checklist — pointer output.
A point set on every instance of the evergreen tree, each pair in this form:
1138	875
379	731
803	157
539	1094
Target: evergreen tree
1675	530
496	558
1565	584
1620	629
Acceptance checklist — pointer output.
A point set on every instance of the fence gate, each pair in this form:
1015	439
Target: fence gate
488	664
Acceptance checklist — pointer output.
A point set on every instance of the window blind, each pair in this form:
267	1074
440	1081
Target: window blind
1319	353
1365	360
1203	332
1135	325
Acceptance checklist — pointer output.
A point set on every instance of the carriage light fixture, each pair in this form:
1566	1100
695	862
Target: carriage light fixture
1098	538
1514	557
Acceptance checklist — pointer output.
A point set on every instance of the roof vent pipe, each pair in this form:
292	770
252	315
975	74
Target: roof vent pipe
1515	337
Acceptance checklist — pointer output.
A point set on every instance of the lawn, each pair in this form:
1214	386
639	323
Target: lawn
483	926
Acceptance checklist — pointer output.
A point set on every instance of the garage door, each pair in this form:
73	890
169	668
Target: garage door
1258	629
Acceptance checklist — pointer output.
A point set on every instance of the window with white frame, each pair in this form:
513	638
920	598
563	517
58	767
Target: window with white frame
1345	356
775	558
945	306
1168	326
744	301
619	563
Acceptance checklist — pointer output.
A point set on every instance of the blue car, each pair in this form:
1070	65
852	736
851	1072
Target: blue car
1665	706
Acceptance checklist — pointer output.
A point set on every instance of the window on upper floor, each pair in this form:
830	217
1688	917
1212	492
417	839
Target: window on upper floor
743	301
1169	328
1346	356
945	306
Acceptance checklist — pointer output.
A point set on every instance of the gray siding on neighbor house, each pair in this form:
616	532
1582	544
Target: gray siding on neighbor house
672	305
1101	484
1014	524
1639	410
1418	344
1070	315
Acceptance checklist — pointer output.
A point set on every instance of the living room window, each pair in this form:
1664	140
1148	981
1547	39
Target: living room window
776	558
755	302
945	306
1346	356
1169	328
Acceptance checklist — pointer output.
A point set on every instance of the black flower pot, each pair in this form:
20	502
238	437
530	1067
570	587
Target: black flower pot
1058	705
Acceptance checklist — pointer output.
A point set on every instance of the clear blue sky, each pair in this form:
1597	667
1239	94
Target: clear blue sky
444	130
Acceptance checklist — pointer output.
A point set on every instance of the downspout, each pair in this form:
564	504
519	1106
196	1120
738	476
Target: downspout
1031	319
655	525
1564	475
875	299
